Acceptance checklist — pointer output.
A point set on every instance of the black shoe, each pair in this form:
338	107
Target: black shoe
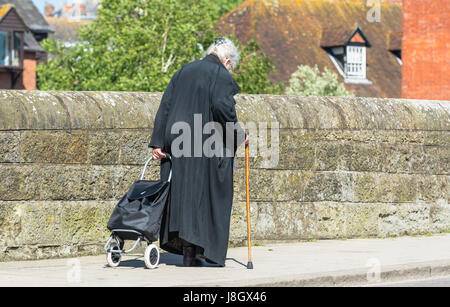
189	258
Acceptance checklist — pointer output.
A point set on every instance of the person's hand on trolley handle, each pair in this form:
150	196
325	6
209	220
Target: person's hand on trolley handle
158	154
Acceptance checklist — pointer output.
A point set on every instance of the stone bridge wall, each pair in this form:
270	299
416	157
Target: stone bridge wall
348	167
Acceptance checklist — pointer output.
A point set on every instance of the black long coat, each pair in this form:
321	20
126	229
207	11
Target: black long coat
201	195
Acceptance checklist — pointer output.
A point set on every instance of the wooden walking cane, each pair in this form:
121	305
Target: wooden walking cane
247	190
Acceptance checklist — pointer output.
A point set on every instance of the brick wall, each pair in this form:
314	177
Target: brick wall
29	71
425	49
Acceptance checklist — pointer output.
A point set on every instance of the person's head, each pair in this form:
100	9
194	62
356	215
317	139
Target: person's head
226	51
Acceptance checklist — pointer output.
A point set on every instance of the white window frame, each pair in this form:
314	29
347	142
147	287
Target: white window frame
355	62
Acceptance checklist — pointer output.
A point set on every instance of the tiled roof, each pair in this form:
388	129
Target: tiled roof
395	40
30	43
290	33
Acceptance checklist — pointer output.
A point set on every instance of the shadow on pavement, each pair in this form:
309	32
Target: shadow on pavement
167	259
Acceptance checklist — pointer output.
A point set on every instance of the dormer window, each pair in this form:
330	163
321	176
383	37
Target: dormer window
355	66
347	51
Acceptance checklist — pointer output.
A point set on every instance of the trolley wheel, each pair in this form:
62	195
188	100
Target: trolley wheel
113	259
151	256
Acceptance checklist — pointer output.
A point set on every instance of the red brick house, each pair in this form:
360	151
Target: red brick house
22	27
426	49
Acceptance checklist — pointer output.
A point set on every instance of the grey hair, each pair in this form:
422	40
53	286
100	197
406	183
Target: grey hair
225	48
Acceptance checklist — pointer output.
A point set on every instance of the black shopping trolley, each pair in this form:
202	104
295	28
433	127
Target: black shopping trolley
137	216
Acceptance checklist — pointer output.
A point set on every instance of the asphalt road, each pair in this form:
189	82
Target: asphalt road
431	282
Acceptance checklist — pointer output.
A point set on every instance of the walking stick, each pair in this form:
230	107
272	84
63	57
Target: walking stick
247	190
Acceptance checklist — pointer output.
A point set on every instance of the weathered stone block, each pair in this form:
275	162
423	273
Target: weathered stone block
365	187
328	156
443	156
395	158
279	220
325	186
9	146
238	222
119	147
407	137
300	220
444	138
289	185
32	110
261	184
10	226
265	221
74	182
361	219
362	136
440	216
427	116
41	224
431	188
134	146
426	138
404	219
53	146
330	220
424	159
104	147
19	182
362	157
100	110
255	108
297	150
85	222
383	187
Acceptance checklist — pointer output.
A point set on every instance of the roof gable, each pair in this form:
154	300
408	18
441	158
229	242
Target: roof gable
9	17
342	36
358	37
30	15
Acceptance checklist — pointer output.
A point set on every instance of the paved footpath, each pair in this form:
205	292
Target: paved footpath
320	263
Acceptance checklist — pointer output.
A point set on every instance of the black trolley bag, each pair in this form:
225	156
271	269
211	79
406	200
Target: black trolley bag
137	216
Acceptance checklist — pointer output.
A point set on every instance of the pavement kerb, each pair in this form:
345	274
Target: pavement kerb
356	277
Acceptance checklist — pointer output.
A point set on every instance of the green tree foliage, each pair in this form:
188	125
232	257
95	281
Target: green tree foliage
253	72
134	45
137	45
308	81
222	7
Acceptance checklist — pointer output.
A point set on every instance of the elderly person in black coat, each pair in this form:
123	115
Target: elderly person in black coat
196	221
